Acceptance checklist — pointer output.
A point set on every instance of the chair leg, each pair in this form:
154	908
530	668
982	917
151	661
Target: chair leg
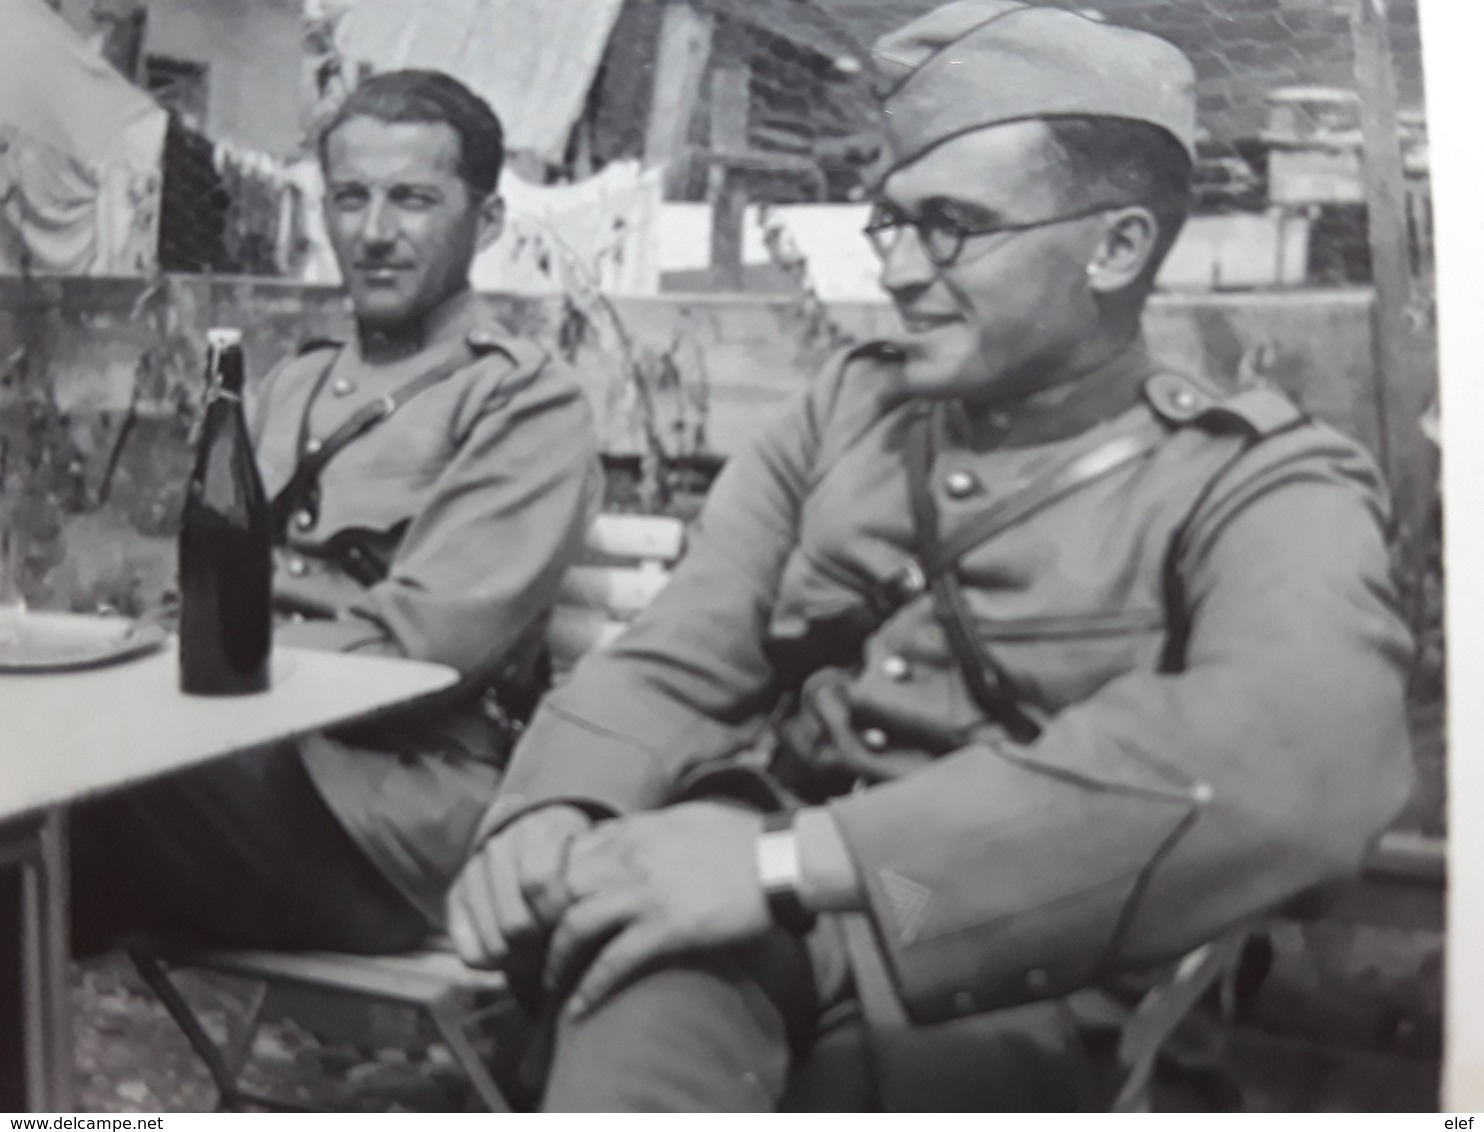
225	1062
451	1028
224	1072
239	1048
1161	1011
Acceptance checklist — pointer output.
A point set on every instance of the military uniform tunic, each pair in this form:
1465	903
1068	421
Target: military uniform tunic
491	477
1163	800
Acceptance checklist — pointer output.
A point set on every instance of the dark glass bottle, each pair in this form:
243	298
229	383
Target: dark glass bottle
226	544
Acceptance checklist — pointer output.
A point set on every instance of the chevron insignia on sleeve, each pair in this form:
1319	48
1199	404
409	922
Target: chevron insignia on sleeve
909	902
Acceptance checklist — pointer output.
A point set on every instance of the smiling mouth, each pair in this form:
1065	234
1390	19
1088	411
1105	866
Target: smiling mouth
919	323
380	272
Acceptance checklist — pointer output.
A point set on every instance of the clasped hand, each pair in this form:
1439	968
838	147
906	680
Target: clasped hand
611	899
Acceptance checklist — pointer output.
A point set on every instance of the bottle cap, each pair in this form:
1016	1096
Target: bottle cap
223	337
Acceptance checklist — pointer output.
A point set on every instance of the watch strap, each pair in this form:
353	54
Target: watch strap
782	893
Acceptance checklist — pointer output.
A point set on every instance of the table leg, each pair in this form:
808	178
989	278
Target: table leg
57	914
17	850
45	923
33	1013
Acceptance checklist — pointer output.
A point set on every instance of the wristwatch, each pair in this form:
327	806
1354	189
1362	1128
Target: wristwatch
779	871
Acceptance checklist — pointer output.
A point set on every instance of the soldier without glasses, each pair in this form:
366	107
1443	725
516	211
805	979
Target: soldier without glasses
438	531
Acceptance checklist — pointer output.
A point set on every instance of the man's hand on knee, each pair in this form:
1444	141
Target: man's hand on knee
654	885
512	890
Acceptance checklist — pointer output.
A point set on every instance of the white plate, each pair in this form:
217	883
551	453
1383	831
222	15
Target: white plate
61	642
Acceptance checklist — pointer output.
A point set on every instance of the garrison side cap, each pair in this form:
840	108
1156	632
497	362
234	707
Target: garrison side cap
978	63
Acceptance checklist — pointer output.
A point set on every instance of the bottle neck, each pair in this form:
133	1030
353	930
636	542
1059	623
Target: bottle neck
224	371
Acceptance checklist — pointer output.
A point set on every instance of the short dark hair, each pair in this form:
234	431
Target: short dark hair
1132	162
431	96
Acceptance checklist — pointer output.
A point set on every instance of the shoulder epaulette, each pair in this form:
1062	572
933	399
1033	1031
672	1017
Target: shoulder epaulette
525	354
1259	409
315	344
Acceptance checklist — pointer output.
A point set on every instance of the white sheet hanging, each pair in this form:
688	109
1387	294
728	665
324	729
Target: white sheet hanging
533	62
601	233
80	152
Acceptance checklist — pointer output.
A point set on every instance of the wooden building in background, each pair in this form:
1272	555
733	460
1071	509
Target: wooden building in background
741	101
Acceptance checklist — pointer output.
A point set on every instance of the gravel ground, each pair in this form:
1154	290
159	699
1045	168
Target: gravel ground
131	1057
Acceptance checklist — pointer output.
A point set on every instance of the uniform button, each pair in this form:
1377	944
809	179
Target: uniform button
896	668
875	739
303	519
298	567
911	581
313	445
1183	399
343	387
960	484
964	1002
1037	981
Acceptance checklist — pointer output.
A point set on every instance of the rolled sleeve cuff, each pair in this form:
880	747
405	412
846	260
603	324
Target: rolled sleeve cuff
1065	863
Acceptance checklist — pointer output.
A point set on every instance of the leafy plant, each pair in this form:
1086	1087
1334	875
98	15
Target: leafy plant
818	325
38	465
646	380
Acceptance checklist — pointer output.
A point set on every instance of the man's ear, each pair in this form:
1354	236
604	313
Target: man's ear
491	221
1122	255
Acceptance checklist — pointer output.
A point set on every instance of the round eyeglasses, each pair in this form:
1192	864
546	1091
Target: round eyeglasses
942	228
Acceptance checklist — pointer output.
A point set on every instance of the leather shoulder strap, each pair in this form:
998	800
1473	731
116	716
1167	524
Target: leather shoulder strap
986	681
1050	487
295	493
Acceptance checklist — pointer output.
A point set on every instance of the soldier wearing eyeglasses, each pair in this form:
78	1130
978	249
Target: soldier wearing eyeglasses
1006	666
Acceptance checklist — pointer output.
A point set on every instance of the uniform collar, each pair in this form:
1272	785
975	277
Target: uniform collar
1066	407
455	318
